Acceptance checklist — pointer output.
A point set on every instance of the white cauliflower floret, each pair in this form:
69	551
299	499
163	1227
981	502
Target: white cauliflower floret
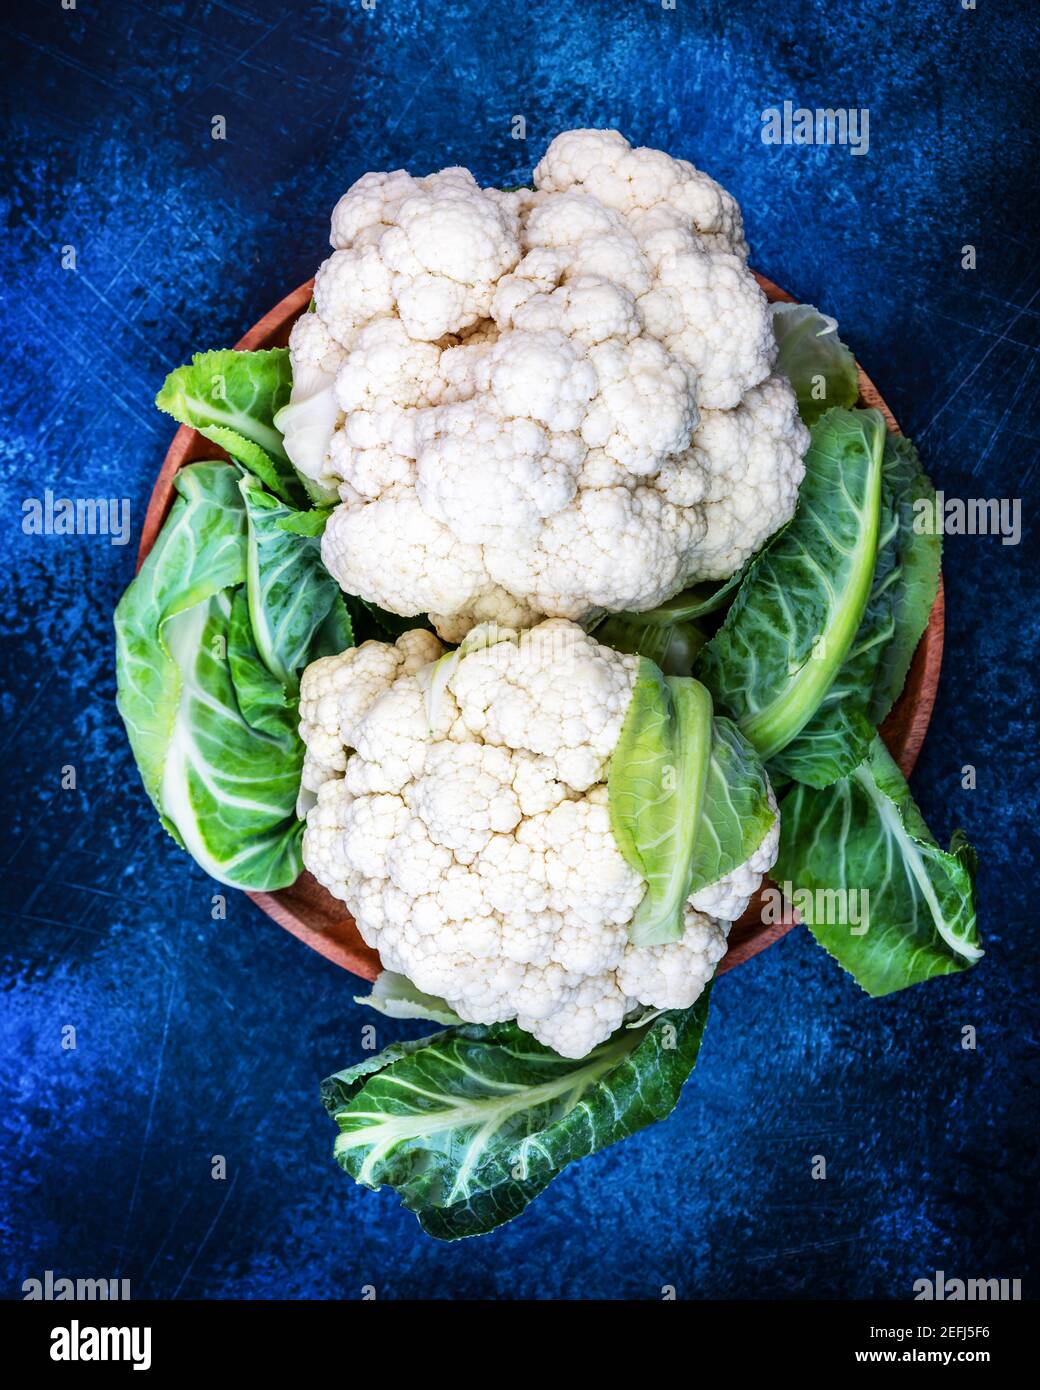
603	164
429	250
732	468
465	820
336	692
392	737
587	879
556	692
422	567
595	1009
584	239
369	207
313	348
516	396
632	543
492	605
673	976
464	796
645	409
351	288
586	308
708	311
517	471
323	842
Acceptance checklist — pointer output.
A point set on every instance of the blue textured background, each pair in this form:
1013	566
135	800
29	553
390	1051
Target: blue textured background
198	1037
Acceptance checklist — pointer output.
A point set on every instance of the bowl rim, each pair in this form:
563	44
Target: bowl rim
311	914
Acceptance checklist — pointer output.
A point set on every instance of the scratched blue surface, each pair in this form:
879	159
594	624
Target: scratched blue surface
197	1037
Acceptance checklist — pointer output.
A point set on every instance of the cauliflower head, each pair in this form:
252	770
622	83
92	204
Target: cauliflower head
541	403
462	815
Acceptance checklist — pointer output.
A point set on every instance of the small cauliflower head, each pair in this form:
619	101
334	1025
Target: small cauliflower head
553	402
461	813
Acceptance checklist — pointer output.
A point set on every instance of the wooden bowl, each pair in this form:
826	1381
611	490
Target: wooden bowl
322	921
